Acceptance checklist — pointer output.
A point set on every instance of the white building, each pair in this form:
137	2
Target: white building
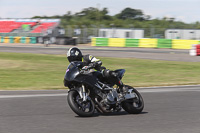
121	33
193	34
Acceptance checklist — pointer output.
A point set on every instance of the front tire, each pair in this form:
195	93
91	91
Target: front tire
133	106
83	109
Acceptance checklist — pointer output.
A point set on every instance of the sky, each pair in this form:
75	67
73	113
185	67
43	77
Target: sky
183	10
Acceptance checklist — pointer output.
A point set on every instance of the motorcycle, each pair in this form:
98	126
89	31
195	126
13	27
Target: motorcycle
89	90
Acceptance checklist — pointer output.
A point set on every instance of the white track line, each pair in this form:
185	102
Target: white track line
168	90
35	95
143	90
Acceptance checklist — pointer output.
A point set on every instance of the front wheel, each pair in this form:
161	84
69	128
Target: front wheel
80	107
135	105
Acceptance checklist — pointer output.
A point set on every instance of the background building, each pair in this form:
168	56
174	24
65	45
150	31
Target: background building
191	34
121	33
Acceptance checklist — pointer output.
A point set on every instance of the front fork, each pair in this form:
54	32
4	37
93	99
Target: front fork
83	94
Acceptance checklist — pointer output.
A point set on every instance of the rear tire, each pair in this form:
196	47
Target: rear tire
83	109
133	106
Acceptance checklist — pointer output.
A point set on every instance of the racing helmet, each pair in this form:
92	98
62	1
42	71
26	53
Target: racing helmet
74	54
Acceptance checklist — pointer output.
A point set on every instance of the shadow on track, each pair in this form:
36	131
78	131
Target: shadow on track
112	114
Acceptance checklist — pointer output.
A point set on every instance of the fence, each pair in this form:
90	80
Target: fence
84	34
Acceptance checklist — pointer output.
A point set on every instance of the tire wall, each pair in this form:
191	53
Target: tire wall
14	39
144	43
34	40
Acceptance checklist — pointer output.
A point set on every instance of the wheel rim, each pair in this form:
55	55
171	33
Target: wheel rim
136	101
84	106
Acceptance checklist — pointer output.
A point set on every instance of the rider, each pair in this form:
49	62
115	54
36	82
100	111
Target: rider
74	54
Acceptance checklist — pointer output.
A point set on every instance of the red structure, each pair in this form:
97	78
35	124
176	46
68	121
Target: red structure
37	26
9	26
195	51
198	49
43	27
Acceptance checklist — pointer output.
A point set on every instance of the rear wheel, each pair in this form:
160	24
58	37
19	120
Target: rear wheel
135	105
80	107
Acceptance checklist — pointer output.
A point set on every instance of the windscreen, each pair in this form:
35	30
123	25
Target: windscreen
72	70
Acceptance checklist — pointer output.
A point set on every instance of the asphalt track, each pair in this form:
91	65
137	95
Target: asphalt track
167	110
142	53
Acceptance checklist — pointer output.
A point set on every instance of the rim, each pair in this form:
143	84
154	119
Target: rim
84	106
136	101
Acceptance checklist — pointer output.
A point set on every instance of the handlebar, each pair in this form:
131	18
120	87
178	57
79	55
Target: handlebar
86	68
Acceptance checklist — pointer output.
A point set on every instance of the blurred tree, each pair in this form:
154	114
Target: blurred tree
89	13
128	16
129	13
67	16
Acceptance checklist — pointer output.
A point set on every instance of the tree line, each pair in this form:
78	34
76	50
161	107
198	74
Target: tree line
127	18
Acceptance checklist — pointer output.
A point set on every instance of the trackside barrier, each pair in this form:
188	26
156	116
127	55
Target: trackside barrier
23	40
12	39
17	39
132	42
93	42
6	39
164	43
33	40
2	39
198	49
195	50
101	41
145	43
116	42
27	40
148	43
183	44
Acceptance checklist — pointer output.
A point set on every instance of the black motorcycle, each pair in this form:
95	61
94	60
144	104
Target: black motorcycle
90	91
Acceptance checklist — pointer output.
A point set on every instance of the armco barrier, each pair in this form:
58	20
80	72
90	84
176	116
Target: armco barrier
93	41
101	41
27	39
23	40
183	44
116	42
148	43
132	42
33	40
6	40
17	39
2	39
11	39
164	43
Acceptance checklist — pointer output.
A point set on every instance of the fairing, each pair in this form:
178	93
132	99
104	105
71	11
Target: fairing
73	75
120	72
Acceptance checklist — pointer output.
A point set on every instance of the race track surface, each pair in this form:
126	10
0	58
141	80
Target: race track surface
141	53
167	110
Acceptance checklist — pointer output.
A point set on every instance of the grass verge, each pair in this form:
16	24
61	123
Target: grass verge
20	71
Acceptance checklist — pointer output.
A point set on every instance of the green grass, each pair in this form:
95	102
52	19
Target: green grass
34	71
